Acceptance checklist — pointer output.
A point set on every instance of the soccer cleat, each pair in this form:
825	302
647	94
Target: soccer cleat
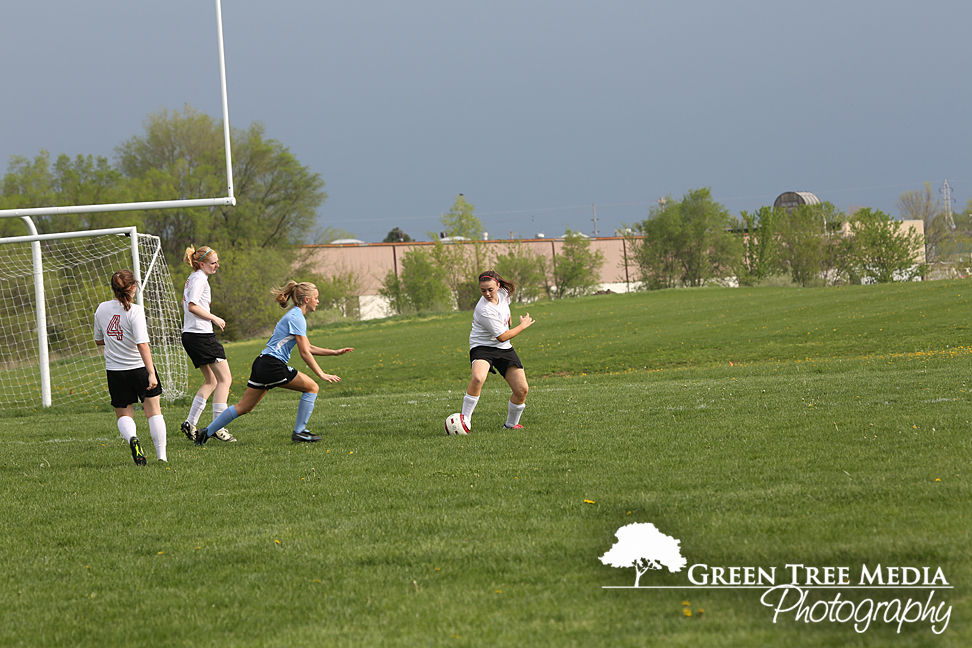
189	430
137	453
224	435
515	427
304	437
200	436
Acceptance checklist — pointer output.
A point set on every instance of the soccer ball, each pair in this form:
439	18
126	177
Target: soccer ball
457	424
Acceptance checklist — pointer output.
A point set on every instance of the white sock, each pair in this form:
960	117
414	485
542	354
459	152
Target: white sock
157	430
513	413
198	405
468	405
126	426
218	409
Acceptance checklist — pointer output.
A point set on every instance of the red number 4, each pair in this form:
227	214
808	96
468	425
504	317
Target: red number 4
114	329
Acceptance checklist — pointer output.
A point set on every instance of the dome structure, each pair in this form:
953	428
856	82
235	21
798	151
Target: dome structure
791	199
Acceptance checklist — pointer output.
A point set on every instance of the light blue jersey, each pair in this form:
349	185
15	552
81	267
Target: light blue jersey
284	339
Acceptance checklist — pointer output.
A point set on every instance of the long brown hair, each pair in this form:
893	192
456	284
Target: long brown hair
121	283
299	292
194	256
509	286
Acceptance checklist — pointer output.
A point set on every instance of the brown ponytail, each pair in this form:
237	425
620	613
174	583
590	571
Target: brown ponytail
121	284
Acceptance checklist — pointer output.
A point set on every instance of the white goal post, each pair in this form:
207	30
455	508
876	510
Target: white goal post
61	362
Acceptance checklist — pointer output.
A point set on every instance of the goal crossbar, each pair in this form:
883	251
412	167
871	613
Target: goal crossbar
228	200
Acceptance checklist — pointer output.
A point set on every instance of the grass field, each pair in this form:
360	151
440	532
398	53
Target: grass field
760	427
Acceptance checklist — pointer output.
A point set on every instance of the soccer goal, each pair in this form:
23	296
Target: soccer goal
47	350
51	283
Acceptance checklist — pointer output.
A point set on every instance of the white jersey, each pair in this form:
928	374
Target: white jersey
121	330
490	320
196	291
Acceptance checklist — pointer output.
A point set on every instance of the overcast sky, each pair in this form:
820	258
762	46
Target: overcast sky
535	110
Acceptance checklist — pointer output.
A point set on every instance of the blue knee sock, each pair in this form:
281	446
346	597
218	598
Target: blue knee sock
304	409
228	416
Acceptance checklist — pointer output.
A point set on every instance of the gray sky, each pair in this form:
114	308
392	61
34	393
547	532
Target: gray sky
535	110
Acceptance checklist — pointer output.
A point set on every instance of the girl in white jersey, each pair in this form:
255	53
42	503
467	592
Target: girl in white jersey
120	328
200	343
490	349
270	368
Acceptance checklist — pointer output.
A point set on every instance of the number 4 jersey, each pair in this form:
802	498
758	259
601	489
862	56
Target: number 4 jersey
121	330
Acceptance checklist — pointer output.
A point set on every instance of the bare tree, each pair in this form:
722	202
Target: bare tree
924	206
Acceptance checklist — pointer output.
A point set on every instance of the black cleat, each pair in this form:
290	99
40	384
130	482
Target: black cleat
189	430
200	436
304	437
137	453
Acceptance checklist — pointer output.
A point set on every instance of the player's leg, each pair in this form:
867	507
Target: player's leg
251	397
516	378
309	390
125	419
478	372
153	412
224	379
199	401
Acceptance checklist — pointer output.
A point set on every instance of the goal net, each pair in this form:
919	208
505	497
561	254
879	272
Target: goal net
76	276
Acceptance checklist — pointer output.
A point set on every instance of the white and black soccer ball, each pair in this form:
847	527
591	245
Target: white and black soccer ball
457	424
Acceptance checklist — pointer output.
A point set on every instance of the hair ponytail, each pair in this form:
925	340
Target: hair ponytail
299	292
194	257
121	285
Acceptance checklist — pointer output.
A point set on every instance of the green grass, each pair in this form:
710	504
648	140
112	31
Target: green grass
837	436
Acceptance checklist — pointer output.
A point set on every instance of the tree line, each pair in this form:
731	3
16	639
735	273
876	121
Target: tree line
695	241
688	242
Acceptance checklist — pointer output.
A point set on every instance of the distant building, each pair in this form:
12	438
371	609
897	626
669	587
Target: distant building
791	199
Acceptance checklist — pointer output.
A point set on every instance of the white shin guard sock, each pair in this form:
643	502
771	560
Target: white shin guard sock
126	426
157	430
513	413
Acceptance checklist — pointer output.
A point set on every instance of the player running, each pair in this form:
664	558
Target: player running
270	368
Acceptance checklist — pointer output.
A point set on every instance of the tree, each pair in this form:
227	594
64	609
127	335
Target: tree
180	156
421	286
524	268
686	241
576	269
878	249
924	206
460	221
397	236
460	264
760	245
83	180
644	547
806	246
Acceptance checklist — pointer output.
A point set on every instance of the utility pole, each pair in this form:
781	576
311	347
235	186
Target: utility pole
594	205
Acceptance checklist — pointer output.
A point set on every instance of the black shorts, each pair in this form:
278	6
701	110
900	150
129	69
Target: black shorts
268	372
498	359
131	385
202	348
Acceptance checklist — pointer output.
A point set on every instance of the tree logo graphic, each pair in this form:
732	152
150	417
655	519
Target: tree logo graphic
644	547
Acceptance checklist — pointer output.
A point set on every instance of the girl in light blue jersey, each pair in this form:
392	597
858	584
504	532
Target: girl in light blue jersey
270	368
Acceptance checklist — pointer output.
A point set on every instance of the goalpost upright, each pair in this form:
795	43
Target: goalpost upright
34	238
